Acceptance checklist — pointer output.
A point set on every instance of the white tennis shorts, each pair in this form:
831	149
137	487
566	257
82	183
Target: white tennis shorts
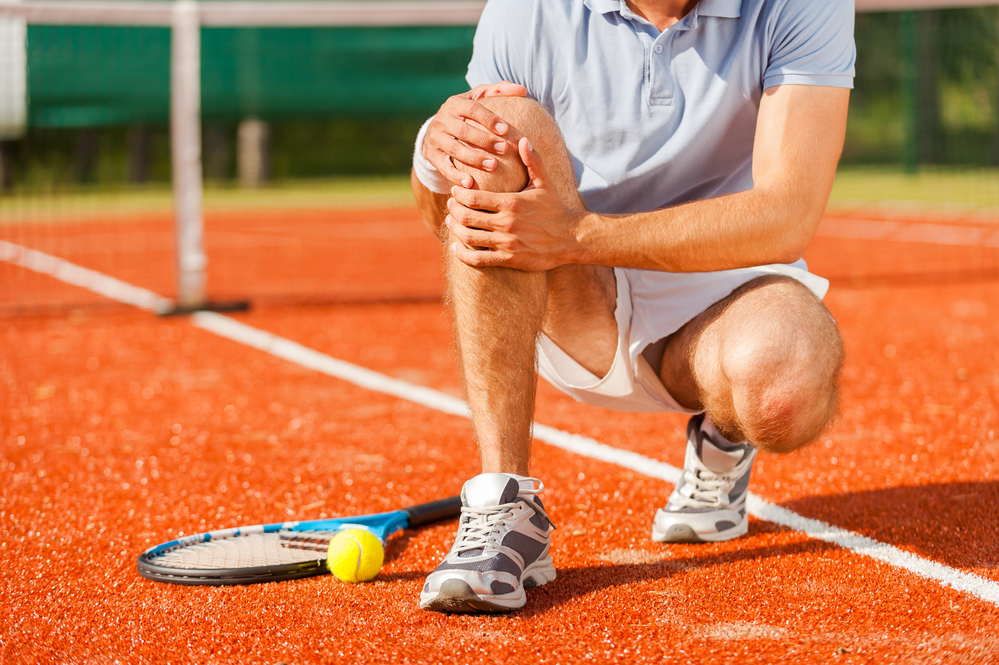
651	306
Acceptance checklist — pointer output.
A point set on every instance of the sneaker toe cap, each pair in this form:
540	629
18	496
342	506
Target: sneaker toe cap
670	526
487	583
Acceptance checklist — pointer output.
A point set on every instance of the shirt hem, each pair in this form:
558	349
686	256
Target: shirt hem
828	80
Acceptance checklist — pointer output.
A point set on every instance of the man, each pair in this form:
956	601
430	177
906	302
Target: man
635	182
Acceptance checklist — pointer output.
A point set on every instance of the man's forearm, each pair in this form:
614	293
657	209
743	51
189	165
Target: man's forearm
799	137
755	227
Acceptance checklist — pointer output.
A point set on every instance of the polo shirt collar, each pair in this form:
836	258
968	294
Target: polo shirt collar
604	6
719	8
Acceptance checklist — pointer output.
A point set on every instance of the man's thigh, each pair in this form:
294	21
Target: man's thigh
666	302
763	361
772	307
580	315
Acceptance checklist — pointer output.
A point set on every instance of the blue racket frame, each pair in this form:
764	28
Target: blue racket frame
382	525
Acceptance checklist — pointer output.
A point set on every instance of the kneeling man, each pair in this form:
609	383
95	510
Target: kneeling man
625	195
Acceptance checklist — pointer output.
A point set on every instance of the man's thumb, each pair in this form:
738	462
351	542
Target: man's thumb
536	174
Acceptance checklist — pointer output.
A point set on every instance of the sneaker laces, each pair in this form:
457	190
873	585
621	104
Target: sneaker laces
703	488
481	528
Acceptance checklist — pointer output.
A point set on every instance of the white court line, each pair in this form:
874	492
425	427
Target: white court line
71	273
286	349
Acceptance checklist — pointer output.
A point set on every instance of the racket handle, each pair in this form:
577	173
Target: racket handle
434	511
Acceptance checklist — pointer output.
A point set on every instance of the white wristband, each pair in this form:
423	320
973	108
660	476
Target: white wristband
425	171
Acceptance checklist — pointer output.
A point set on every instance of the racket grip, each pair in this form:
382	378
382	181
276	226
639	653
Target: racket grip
434	511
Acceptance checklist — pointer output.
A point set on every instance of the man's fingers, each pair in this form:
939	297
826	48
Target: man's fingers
459	152
471	109
475	219
505	89
472	134
442	162
478	92
477	258
445	154
536	174
476	238
501	89
477	199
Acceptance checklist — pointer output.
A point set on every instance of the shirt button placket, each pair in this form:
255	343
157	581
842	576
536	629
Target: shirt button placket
661	93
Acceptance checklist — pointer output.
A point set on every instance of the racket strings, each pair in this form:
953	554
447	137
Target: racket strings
252	551
314	541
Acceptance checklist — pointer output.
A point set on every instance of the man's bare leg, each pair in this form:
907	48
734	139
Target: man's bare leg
498	312
497	315
763	362
504	535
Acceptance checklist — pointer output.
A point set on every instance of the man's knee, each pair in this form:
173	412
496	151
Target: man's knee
789	411
783	368
525	117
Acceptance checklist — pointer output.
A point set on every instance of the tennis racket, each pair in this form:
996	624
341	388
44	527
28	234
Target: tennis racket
273	552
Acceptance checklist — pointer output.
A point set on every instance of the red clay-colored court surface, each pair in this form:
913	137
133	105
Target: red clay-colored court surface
121	430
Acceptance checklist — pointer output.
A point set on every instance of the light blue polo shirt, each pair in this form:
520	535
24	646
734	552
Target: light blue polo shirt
656	119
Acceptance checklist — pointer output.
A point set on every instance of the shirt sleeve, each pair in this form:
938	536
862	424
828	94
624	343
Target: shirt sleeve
504	43
811	43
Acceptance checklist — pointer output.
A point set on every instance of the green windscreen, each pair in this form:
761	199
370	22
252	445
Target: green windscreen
82	76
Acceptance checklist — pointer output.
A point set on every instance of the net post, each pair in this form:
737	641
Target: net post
910	91
994	157
185	144
13	79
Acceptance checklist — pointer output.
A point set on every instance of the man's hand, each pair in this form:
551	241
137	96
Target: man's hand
452	138
530	230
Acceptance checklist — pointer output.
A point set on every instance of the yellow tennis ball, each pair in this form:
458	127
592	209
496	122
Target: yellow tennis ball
355	555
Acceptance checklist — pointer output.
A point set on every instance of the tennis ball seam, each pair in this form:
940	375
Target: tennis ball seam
360	555
352	543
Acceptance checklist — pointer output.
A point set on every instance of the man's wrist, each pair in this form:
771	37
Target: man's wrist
586	239
425	172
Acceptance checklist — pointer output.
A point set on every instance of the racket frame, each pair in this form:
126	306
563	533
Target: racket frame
381	525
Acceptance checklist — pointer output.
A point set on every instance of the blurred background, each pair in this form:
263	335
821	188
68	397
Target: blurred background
306	138
282	104
277	104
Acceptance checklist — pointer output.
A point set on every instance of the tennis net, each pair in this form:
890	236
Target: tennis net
265	157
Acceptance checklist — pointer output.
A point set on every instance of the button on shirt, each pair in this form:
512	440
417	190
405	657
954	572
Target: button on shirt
652	118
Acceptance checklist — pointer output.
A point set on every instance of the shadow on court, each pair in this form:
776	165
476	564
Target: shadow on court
576	582
953	523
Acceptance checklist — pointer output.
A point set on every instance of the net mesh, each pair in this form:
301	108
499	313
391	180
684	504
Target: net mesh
293	117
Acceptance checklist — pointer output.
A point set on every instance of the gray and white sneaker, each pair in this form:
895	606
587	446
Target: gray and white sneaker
709	502
504	535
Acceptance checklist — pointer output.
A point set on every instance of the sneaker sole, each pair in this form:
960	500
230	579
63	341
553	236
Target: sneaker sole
684	533
455	596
